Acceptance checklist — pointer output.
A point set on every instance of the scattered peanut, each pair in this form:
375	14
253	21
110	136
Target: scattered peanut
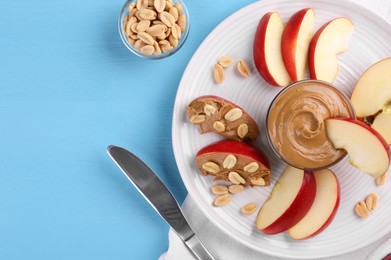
243	69
381	180
131	6
182	22
146	14
242	130
158	51
168	5
251	167
229	161
259	181
211	167
249	208
131	21
131	40
141	4
176	31
235	178
361	209
166	47
155	30
233	114
139	44
225	61
219	126
134	37
147	49
209	110
159	5
218	73
146	38
196	119
132	9
167	19
174	12
161	36
173	41
179	7
236	188
143	25
371	201
222	200
219	189
133	27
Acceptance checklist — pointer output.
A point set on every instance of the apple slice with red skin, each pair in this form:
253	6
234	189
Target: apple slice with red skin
295	42
367	149
382	124
223	117
267	50
329	41
372	92
289	201
243	158
371	96
323	209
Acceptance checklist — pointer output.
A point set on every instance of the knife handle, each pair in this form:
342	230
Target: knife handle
158	195
198	249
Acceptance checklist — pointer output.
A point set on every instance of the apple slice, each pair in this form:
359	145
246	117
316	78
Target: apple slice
382	124
367	149
323	209
329	41
289	201
267	50
373	90
295	42
223	117
234	161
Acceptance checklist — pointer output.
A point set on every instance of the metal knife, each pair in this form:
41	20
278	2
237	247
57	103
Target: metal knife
158	195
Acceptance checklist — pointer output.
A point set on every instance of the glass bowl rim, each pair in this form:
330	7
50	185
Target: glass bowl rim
163	55
269	139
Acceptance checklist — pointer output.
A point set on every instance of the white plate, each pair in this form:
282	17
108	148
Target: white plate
234	36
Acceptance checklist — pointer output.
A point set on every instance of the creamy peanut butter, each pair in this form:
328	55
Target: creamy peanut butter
296	126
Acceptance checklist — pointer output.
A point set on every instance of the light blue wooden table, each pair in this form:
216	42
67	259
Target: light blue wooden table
69	88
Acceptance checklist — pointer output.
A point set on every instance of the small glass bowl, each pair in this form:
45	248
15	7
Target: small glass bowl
124	37
273	104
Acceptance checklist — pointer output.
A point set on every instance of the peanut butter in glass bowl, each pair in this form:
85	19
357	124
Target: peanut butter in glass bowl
296	128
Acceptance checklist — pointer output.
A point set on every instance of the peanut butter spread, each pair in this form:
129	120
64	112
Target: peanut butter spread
296	123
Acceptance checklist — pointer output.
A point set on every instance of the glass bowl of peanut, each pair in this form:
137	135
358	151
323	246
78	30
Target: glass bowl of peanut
154	29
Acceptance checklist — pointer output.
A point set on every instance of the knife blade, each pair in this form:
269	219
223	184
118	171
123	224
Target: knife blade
158	195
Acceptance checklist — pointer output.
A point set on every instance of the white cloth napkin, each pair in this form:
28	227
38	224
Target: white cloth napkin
381	252
214	238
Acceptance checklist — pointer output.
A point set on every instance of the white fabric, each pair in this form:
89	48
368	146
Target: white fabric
381	252
214	238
